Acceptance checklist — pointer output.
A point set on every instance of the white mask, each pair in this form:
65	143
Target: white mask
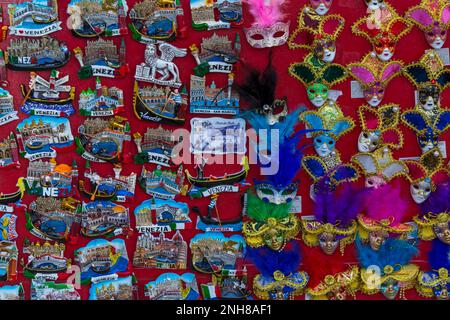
368	141
274	36
329	55
420	191
374	4
386	55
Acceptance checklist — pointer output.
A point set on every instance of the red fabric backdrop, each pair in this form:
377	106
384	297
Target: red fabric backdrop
350	48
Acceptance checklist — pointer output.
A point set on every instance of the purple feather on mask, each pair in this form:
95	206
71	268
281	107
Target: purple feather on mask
438	201
339	207
385	202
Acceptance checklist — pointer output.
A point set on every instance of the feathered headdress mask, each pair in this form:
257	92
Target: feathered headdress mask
374	76
330	276
268	29
393	262
433	18
436	282
335	214
279	278
384	211
428	71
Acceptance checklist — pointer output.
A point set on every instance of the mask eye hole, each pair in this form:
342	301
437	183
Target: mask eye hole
324	91
428	190
443	32
312	91
279	34
319	140
257	36
370	182
416	187
330	142
365	135
430	34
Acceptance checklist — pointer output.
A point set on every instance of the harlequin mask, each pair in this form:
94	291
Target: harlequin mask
326	179
427	130
374	76
433	18
318	94
267	29
430	77
379	167
329	130
321	7
384	37
320	40
379	128
318	80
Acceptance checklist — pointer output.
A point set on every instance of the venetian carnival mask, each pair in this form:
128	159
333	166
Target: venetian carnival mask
436	36
321	7
375	182
390	289
368	141
267	29
274	239
442	232
325	49
379	167
328	242
377	238
374	4
273	36
379	128
420	191
384	45
374	94
318	81
429	97
374	75
433	18
324	145
318	94
268	193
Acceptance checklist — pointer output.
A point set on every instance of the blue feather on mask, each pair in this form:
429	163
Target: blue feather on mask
393	252
287	159
439	255
267	261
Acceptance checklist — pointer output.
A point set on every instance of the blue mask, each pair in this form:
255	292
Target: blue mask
324	145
